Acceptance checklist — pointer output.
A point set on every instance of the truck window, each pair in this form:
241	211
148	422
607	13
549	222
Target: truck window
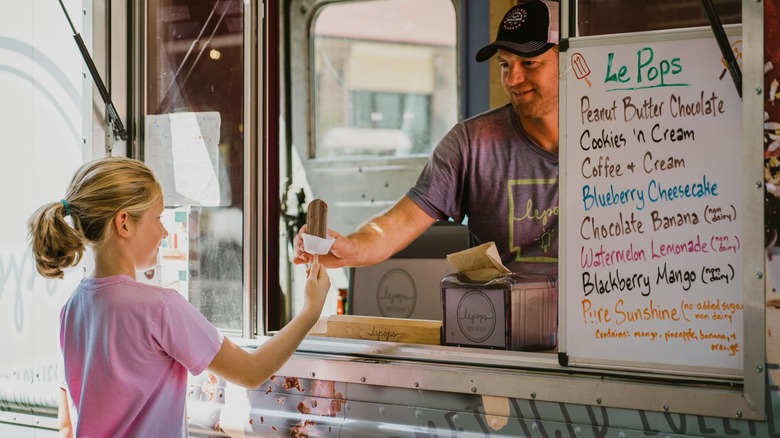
343	176
601	17
379	79
194	140
385	77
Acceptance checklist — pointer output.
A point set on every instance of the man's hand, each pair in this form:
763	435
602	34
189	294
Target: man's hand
333	259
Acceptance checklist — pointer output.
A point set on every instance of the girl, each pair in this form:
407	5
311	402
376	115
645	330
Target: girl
127	346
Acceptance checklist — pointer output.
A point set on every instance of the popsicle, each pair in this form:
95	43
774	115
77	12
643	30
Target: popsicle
316	240
317	218
580	67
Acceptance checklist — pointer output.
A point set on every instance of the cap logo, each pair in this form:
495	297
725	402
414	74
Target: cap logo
515	19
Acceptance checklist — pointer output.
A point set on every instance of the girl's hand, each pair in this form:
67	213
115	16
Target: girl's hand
317	286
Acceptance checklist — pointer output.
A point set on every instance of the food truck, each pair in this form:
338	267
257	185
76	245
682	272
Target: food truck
664	316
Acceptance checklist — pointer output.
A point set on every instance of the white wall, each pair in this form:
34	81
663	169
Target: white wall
41	130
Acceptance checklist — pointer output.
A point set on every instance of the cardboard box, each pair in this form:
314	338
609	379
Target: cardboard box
512	312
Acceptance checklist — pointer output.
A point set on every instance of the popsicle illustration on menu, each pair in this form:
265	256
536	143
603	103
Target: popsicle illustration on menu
580	67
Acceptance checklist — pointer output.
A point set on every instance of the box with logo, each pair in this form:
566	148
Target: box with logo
510	312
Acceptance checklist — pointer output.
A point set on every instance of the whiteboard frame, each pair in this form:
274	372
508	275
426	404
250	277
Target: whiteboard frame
750	402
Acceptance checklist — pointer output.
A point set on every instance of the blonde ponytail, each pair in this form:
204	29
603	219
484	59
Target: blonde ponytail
55	244
98	191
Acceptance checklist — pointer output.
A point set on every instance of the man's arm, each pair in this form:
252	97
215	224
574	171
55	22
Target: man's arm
375	241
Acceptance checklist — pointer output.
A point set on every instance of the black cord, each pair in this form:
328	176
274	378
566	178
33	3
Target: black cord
723	42
116	122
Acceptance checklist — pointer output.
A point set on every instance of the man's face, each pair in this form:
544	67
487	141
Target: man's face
149	233
531	84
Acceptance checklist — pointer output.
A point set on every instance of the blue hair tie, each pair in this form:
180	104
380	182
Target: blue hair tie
67	207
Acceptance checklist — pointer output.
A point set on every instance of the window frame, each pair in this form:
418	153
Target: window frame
452	369
539	375
134	16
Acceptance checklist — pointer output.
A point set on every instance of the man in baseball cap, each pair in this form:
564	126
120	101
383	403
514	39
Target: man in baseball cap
528	29
497	171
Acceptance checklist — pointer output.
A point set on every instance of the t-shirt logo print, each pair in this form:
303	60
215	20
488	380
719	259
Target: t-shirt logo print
515	19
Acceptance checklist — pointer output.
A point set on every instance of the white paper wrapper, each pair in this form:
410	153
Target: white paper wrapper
317	245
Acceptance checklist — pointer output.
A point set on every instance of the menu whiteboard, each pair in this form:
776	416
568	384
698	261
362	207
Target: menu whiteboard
652	187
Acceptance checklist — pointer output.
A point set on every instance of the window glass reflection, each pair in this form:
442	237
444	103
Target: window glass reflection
194	142
385	76
600	17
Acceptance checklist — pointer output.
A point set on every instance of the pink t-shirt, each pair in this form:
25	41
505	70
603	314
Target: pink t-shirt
127	347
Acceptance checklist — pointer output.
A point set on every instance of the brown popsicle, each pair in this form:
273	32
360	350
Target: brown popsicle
317	218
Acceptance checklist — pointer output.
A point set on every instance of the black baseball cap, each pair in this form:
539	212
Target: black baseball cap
528	29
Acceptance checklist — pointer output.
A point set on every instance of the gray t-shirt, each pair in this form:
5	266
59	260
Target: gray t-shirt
487	169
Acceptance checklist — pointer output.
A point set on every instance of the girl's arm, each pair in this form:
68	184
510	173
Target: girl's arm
63	415
249	370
